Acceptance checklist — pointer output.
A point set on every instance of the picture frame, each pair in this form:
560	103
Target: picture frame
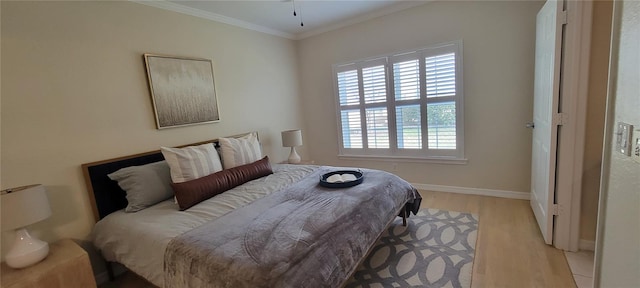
182	90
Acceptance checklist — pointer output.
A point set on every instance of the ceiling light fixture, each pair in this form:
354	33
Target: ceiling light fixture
293	2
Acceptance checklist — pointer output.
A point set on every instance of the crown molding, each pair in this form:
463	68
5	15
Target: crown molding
166	5
379	13
171	6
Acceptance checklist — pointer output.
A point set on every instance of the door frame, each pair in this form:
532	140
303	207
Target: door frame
609	140
571	138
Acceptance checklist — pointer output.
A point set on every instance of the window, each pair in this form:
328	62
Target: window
406	105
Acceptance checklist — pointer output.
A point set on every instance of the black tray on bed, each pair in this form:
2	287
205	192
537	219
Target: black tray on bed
358	174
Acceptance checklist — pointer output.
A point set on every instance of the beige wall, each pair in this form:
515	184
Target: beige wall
596	106
617	253
499	41
74	90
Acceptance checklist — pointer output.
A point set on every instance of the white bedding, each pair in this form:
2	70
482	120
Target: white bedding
139	240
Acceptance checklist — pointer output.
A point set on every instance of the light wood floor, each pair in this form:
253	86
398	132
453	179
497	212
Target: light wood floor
510	251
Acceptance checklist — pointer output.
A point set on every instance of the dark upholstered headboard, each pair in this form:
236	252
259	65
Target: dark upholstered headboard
105	194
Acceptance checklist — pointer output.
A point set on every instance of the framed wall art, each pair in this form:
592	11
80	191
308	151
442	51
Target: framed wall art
182	90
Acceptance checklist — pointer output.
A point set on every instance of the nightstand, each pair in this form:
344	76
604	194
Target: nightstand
67	265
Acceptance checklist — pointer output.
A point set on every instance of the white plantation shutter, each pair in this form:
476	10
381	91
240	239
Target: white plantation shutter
406	79
441	89
441	125
348	88
441	75
374	83
377	128
351	130
406	88
403	105
408	127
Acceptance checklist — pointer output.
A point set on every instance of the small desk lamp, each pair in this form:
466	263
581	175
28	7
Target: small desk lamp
22	207
292	138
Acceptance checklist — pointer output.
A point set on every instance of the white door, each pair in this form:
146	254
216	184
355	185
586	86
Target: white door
545	120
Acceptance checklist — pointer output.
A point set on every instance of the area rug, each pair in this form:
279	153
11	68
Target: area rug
436	249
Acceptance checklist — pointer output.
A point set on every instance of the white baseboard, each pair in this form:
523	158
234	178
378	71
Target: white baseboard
103	277
587	245
474	191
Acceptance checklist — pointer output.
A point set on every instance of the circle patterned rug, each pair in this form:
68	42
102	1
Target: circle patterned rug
436	249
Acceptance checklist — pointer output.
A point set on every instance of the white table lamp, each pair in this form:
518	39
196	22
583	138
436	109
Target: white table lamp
22	207
292	138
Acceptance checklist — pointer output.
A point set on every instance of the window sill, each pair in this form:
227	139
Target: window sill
431	160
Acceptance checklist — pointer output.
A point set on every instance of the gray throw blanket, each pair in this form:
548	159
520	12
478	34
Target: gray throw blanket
304	235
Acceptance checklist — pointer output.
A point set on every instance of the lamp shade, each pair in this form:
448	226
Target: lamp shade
291	138
24	206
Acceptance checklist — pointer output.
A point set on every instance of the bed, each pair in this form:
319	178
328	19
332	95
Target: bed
277	230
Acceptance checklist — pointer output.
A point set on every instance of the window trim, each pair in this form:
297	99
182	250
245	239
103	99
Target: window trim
455	156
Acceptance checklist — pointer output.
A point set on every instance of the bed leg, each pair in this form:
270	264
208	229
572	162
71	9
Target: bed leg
404	217
109	266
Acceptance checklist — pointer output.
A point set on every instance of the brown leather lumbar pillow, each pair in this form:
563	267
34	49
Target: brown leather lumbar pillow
192	192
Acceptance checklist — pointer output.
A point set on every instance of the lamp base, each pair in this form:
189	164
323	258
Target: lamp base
294	158
26	250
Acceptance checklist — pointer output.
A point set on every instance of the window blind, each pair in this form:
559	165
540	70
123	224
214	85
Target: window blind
348	88
441	75
409	104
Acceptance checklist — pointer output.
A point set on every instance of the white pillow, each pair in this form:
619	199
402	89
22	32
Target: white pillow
240	151
192	162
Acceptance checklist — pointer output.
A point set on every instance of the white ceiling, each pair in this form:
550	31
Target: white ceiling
276	17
